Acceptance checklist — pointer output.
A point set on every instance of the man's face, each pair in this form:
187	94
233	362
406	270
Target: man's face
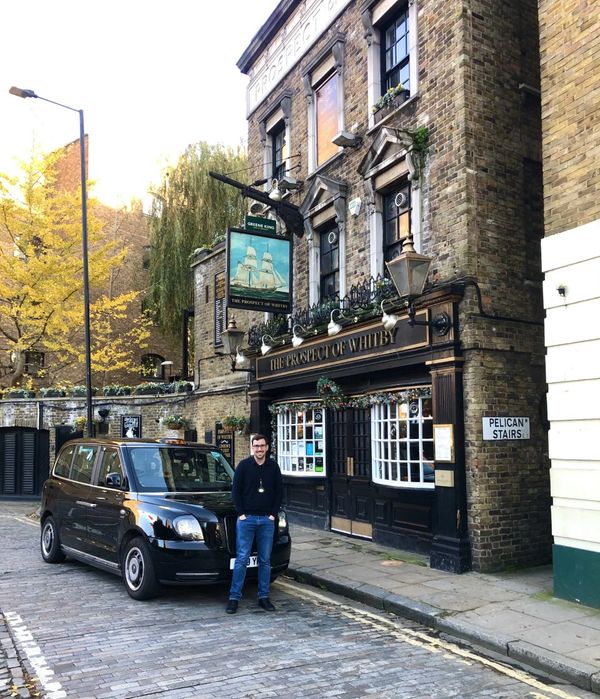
259	449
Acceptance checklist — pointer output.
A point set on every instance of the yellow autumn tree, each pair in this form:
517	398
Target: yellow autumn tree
41	280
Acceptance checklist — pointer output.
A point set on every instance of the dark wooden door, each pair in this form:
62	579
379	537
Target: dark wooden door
350	458
24	456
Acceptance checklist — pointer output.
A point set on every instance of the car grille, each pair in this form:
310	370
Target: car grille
227	534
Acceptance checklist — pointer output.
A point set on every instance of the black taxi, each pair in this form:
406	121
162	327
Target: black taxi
153	511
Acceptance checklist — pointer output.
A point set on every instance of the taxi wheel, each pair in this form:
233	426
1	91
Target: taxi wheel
138	570
50	542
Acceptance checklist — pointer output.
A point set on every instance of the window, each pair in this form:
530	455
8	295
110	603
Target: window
301	442
402	443
396	221
327	115
329	273
324	89
34	362
395	52
392	50
151	367
83	464
279	150
110	464
63	463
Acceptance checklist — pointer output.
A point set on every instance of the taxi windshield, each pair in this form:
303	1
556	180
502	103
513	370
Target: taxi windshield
179	469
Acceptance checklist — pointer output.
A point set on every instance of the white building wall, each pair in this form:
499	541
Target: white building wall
571	262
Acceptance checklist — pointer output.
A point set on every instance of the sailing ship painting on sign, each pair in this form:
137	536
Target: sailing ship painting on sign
259	265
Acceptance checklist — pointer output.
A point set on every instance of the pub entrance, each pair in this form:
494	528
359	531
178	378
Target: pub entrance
349	432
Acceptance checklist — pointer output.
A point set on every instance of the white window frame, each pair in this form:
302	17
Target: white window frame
292	449
373	19
387	467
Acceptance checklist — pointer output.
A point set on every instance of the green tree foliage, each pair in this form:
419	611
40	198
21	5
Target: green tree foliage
191	210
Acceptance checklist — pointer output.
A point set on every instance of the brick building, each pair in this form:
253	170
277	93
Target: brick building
450	161
571	261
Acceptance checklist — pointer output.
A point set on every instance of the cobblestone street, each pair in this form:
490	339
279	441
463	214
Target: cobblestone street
78	634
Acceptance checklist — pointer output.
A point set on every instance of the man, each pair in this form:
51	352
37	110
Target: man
257	492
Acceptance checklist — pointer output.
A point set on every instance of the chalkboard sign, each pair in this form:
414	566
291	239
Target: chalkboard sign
131	426
225	442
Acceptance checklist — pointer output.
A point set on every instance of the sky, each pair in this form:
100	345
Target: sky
151	77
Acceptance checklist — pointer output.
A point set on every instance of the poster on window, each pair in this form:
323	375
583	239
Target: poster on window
259	268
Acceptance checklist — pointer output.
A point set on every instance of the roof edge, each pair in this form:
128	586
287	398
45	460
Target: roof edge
264	35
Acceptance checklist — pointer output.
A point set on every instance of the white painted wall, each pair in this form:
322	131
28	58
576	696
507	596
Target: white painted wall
572	330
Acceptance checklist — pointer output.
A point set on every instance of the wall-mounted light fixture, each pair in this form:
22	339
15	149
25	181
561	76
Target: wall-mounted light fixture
279	187
409	273
297	340
232	338
334	328
265	348
389	320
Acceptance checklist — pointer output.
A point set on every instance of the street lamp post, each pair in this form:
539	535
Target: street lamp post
84	239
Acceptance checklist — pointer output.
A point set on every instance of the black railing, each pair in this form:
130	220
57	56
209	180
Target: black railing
362	300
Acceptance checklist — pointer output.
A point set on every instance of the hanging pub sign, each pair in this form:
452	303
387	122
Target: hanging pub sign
259	269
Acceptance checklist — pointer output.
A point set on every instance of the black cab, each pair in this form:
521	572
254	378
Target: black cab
153	511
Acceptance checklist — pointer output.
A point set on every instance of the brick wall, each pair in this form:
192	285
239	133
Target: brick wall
570	65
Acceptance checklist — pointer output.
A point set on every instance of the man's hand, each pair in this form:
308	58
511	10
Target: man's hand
242	517
271	518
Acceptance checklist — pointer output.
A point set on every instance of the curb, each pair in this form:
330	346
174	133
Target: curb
576	673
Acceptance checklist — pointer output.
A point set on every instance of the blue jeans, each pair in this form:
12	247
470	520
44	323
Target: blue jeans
261	527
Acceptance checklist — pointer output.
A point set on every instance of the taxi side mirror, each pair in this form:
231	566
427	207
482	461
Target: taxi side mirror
113	480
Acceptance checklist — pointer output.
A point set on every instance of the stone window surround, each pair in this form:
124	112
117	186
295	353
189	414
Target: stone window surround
280	111
374	14
318	214
330	59
380	174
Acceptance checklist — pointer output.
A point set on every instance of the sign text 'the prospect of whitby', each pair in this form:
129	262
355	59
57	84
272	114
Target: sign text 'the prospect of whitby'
298	35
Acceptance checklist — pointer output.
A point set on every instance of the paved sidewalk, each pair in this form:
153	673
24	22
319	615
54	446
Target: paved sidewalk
513	614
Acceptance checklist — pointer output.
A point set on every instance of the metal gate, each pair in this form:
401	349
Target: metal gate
24	461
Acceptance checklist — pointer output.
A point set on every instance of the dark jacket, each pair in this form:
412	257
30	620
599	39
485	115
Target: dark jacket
247	482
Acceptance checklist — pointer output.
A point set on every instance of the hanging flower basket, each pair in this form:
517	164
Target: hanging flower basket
239	424
174	422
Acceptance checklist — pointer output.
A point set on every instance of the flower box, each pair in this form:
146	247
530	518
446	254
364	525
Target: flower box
387	109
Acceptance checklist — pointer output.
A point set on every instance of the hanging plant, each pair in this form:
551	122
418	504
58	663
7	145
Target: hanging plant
174	422
239	424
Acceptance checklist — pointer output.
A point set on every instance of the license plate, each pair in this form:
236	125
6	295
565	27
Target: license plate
252	563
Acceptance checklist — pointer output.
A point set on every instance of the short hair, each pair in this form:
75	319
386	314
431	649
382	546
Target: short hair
258	437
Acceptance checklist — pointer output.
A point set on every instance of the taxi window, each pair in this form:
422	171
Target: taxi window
63	463
110	464
83	464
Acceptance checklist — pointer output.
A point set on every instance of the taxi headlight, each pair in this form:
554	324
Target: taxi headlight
188	528
282	519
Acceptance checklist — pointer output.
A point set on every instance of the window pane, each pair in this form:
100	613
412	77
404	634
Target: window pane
327	118
83	465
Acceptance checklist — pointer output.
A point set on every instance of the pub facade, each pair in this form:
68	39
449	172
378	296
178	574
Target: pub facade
384	133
